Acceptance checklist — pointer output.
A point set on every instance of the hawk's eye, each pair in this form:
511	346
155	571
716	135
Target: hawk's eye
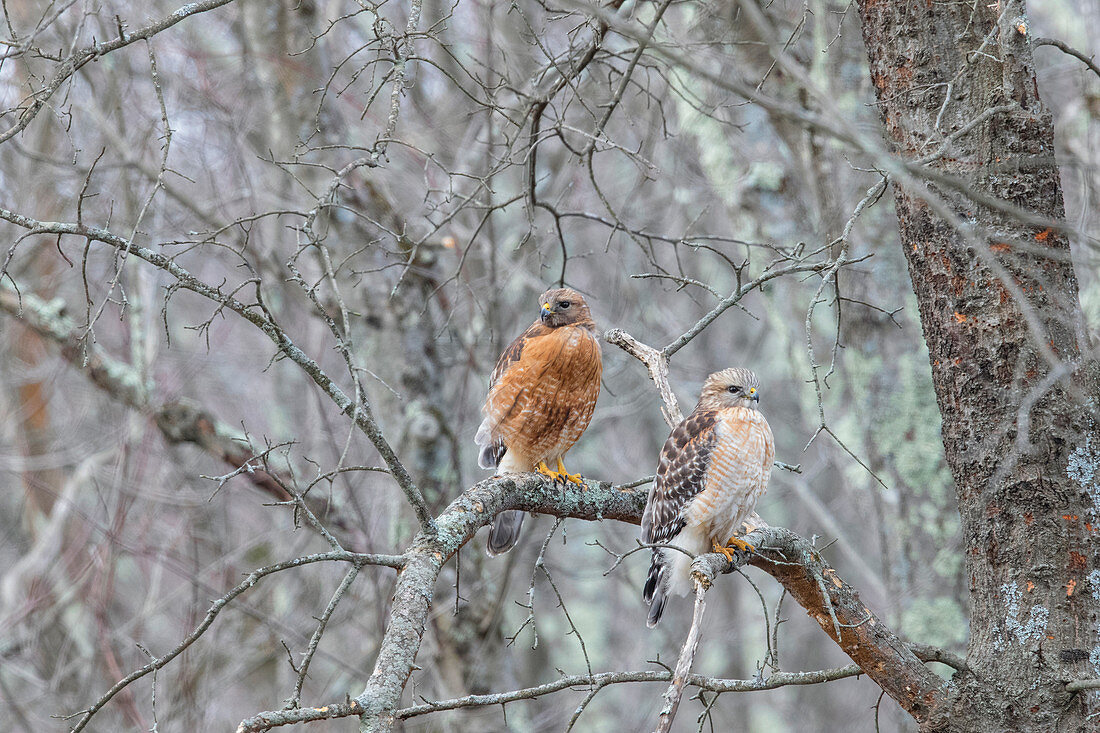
733	389
564	305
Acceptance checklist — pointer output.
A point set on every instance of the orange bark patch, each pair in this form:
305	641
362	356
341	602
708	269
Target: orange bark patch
1069	517
1043	235
959	317
999	247
1070	586
1030	586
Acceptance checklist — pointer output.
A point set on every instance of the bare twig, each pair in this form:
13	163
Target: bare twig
392	561
1065	48
259	317
82	56
675	689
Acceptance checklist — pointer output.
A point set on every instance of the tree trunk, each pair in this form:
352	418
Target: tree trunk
1011	363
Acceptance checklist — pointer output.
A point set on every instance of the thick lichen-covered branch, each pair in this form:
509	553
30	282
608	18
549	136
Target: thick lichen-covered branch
454	527
789	558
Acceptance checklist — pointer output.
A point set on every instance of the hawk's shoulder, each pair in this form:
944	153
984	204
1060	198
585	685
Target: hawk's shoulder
514	352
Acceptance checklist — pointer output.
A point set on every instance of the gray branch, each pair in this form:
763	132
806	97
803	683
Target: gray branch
781	553
359	412
181	421
81	56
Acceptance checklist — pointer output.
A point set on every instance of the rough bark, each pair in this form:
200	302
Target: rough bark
1011	363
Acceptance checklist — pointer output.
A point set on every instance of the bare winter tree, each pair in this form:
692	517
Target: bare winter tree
259	259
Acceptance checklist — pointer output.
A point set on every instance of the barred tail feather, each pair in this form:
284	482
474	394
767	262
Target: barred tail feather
492	448
655	590
491	454
505	532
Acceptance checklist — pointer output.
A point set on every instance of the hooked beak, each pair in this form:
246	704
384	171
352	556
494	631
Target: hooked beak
546	311
753	394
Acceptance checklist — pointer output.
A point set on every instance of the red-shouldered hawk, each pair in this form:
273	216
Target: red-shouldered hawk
713	469
541	396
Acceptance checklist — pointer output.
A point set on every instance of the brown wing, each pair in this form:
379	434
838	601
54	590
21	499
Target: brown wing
681	475
543	392
492	444
515	351
543	401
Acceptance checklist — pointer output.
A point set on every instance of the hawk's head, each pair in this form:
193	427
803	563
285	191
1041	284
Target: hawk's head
733	387
564	307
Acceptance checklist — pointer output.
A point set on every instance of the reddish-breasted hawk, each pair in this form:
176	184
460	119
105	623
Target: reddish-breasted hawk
713	469
541	396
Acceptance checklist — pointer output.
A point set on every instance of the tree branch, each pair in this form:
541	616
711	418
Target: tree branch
358	411
1065	48
795	563
791	559
455	527
81	56
181	421
275	718
675	691
783	554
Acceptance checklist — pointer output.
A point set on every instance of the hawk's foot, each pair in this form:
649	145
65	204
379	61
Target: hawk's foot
548	472
727	552
740	544
572	478
732	548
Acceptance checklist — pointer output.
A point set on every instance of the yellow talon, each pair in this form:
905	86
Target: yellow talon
573	478
740	545
733	545
548	472
725	551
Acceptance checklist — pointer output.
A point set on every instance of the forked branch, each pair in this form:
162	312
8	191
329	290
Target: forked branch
815	585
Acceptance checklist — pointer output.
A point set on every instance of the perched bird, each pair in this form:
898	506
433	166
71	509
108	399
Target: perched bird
713	469
541	396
